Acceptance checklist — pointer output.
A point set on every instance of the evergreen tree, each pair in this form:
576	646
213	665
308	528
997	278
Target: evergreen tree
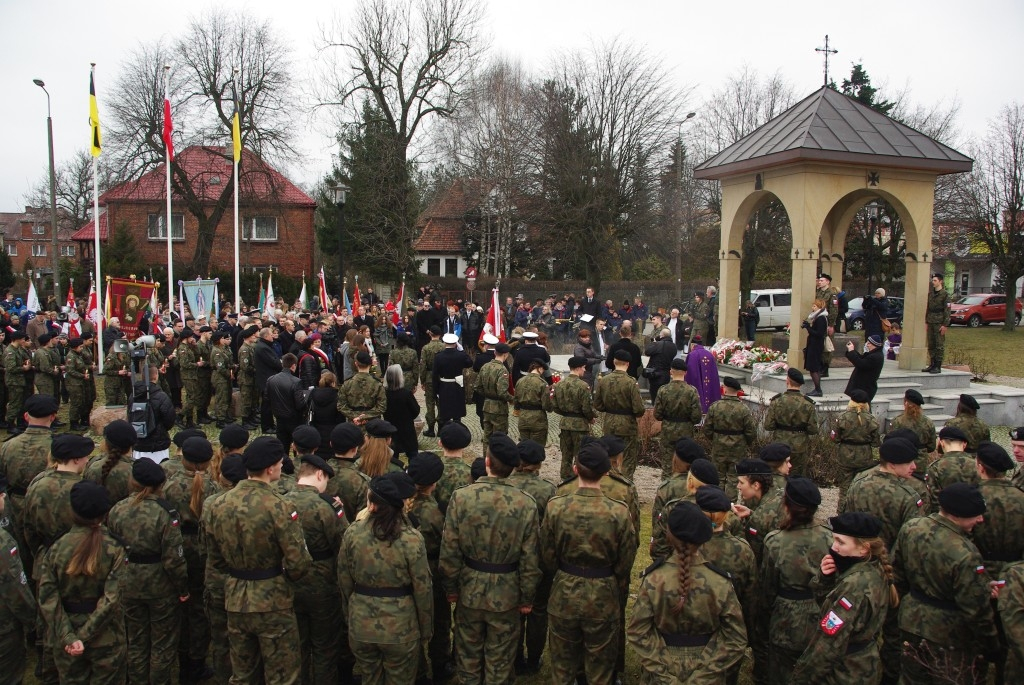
7	277
120	257
859	87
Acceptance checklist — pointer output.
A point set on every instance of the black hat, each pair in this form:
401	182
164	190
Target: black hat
688	523
897	451
905	433
613	444
775	452
197	450
502	348
825	276
40	406
1017	434
318	463
803	491
875	340
121	434
250	331
678	363
89	499
623	356
205	329
576	362
148	473
68	446
263	452
856	524
233	315
914	396
45	338
994	456
435	329
345	436
187	333
952	433
538	364
75	343
962	499
731	382
704	471
594	456
531	452
859	396
233	436
969	401
689	450
363	358
181	436
306	438
478	469
18	335
88	335
501	447
379	428
394	488
232	467
795	375
426	468
710	498
753	467
454	436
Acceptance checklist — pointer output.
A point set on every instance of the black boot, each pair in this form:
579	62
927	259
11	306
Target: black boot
931	365
429	433
936	366
199	670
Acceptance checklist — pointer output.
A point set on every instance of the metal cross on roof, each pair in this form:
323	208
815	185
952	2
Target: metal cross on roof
827	51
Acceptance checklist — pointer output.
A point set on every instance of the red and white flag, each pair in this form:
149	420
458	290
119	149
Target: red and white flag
494	323
92	311
396	315
355	299
74	330
322	293
168	129
156	325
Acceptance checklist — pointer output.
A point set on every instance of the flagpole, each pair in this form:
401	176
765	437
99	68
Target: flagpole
96	251
170	223
238	275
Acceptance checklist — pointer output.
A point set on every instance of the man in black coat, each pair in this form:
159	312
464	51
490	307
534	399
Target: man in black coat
625	342
589	304
867	367
447	379
287	400
265	364
423	321
661	352
156	443
526	353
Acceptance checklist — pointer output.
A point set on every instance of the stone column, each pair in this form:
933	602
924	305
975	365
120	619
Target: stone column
805	272
914	348
728	294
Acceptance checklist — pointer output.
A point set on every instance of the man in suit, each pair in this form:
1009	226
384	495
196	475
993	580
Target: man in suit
525	353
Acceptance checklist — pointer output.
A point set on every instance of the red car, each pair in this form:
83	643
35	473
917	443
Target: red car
977	310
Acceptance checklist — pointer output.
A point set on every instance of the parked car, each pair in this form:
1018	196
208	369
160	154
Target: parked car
855	313
978	310
773	307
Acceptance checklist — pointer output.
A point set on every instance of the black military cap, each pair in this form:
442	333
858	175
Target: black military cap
435	329
704	471
1017	434
345	436
455	436
181	436
232	467
120	433
897	451
148	473
904	433
88	336
394	488
186	333
613	444
40	406
775	452
731	382
75	343
45	338
859	396
89	500
710	498
678	363
577	361
594	456
501	447
263	452
689	450
250	331
623	356
969	401
205	329
68	446
478	469
856	524
825	276
795	375
952	433
379	428
538	364
962	499
318	463
753	467
18	335
363	358
914	396
233	315
233	436
688	523
531	452
220	335
197	450
803	491
306	438
502	348
994	456
426	468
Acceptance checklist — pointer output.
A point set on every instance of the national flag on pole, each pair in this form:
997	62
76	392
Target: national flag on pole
168	128
324	302
74	330
355	297
236	129
262	304
268	309
494	317
92	311
345	302
396	315
156	321
94	119
108	314
303	298
32	300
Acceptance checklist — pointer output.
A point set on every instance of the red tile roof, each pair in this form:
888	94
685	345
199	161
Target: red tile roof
440	226
87	232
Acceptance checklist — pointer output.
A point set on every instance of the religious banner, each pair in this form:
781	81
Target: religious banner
128	301
202	297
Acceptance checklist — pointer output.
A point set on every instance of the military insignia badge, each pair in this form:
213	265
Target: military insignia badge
295	516
845	603
832	624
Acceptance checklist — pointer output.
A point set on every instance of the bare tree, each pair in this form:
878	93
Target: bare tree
74	189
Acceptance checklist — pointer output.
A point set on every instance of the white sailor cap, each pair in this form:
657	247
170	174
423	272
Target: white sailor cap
449	339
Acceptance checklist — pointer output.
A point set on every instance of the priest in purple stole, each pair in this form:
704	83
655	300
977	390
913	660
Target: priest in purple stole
702	374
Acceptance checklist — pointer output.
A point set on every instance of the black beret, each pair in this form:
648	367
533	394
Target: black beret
148	473
233	315
531	452
205	329
897	451
969	401
455	436
856	524
775	452
704	471
45	338
1017	434
594	456
502	348
710	498
233	436
263	452
623	356
394	488
88	335
18	335
803	491
859	396
181	436
688	523
731	382
577	362
89	499
914	396
689	450
435	329
613	444
186	333
795	375
501	447
318	463
306	438
426	468
68	446
825	276
249	331
75	343
220	335
752	467
994	456
197	450
232	467
363	358
40	406
905	433
678	363
345	436
379	428
962	499
120	433
952	433
478	469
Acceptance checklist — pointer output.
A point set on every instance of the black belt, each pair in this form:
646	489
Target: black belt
85	606
932	602
855	647
585	572
619	413
571	414
367	591
361	408
1006	556
797	595
189	528
15	490
137	558
254	574
685	640
488	567
534	407
322	554
727	432
792	429
854	442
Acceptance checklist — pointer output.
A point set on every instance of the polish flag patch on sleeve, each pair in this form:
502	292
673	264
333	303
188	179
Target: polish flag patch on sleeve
752	531
14	551
979	569
832	624
920	502
294	516
845	603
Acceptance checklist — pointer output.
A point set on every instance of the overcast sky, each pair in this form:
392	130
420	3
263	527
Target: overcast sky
939	48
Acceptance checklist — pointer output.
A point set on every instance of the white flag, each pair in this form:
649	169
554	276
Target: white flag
32	301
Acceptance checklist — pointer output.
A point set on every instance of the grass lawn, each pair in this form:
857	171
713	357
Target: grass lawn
991	346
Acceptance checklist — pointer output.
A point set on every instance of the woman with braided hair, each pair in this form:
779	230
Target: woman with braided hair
687	624
855	580
857	435
112	468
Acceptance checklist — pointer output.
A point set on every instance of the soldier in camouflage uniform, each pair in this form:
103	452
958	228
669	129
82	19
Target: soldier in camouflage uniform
678	410
17	366
945	617
117	369
1011	612
223	363
427	355
531	393
348	483
155	580
156	357
966	419
613	484
923	427
78	377
936	318
492	383
489	566
47	373
1000	537
362	397
618	397
701	314
454	439
405	356
204	374
255	538
90	353
188	361
730	427
792	419
953	466
588	542
249	397
570	398
17	605
856	433
1017	445
830	296
679	488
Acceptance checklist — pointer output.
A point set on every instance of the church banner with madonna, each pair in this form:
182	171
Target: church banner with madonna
129	299
202	296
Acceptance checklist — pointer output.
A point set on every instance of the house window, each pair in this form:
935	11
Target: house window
157	230
451	268
12	249
38	250
67	250
39	229
260	228
433	266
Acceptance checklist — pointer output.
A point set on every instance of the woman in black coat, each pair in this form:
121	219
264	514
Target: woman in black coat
401	412
875	309
816	325
323	402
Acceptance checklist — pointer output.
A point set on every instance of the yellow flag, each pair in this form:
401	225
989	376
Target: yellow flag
94	118
236	136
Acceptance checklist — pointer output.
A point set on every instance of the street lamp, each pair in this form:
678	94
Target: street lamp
873	208
53	187
338	191
682	224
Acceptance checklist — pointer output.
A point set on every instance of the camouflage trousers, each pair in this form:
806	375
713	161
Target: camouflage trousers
386	663
781	663
667	443
46	385
217	615
583	646
799	460
205	381
12	654
190	406
222	399
631	457
151	626
431	400
78	399
114	391
533	425
262	647
485	645
726	466
534	633
936	343
440	647
569	444
249	399
102	662
15	400
194	638
494	422
318	615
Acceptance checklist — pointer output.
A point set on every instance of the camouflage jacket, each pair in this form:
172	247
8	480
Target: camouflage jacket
791	560
493	385
673	488
793	419
571	399
536	487
117	479
677	406
349	484
830	296
456	475
42	361
323	524
858	436
22	458
937	310
924	429
618	396
890	498
976	430
204	352
362	395
951	467
17	605
617	487
115	363
427	355
246	364
221	361
156	561
1000	537
178	491
531	392
492	522
188	355
427	518
14	360
76	366
764	518
730	426
406	358
213	579
1011	611
47	510
733	555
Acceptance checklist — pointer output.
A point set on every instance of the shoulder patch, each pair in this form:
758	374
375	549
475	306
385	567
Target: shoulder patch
845	603
294	516
831	624
655	565
720	571
979	569
14	551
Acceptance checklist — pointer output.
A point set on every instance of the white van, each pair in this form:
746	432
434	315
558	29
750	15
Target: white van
773	306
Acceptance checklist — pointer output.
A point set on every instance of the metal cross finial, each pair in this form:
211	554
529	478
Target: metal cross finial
827	51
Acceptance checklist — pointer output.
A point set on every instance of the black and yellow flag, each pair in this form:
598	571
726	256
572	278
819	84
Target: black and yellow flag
94	118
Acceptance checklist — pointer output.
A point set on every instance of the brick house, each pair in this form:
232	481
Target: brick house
28	236
276	216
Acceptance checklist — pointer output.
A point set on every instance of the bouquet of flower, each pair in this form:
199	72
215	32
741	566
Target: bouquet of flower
743	355
762	369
